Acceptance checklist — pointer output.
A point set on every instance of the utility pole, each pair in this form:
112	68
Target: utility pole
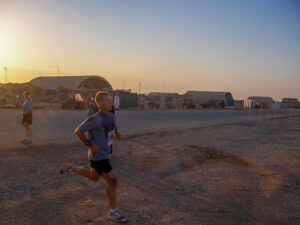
5	69
58	74
123	83
139	88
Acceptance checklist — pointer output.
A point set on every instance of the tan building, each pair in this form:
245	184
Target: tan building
197	98
164	100
288	102
261	100
72	82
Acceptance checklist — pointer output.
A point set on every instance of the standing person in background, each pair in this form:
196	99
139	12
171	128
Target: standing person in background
92	108
116	134
27	116
110	144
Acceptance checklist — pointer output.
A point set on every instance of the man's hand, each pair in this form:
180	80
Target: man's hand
94	148
118	135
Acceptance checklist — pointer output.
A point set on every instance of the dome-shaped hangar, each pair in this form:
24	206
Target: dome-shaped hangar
72	82
95	83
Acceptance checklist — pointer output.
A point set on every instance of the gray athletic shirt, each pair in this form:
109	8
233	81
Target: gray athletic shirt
101	128
28	106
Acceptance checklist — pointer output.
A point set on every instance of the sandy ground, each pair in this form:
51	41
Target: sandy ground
235	174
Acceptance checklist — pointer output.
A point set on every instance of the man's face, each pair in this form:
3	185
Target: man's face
106	103
27	96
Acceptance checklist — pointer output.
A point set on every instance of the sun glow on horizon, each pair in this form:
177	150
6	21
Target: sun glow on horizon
2	54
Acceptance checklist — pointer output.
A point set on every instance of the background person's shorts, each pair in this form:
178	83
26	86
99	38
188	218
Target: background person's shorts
102	166
27	118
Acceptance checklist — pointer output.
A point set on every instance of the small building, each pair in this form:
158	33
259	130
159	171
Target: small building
259	101
289	102
198	98
248	103
127	99
142	101
164	100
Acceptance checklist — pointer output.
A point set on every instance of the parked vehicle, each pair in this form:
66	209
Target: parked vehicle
214	104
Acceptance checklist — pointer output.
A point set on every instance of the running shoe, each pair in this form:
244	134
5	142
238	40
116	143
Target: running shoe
116	216
66	169
27	142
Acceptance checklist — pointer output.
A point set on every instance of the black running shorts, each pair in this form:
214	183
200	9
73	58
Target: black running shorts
27	118
102	166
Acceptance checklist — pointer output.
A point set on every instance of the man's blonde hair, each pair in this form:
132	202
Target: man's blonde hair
26	93
99	95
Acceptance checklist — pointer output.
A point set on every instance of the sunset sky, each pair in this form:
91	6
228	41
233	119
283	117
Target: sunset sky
248	47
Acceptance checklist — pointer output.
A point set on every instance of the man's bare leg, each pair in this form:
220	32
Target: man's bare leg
27	139
111	193
91	174
111	188
28	131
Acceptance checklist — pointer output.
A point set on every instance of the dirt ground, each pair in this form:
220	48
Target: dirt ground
219	175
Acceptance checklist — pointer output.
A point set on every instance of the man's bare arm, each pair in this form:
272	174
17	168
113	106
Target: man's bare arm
81	136
117	134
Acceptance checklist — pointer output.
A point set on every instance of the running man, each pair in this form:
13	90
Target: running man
27	116
92	109
101	127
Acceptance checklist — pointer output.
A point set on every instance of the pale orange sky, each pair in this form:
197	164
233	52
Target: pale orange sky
248	49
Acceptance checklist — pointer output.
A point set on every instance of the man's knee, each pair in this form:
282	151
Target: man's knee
112	179
93	177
